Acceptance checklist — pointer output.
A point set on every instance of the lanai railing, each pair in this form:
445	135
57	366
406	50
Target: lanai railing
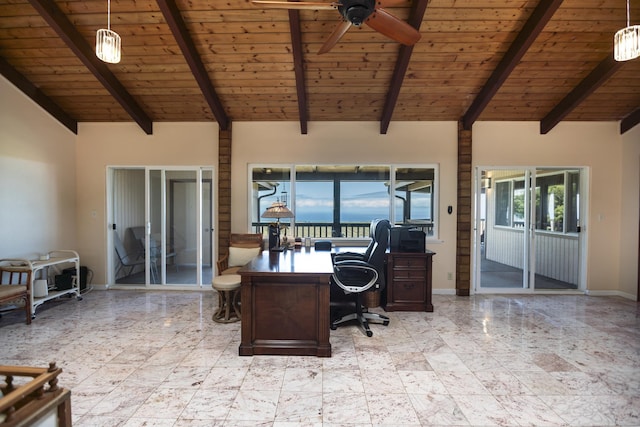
321	229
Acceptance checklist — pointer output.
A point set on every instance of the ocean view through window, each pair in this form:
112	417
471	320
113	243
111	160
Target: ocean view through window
339	201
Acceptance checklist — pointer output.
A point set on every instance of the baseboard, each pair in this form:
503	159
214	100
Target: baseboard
596	293
156	288
443	291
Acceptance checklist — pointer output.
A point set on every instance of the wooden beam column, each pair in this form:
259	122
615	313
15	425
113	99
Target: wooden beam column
224	189
463	227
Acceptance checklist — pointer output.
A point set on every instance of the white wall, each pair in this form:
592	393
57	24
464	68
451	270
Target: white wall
37	178
597	146
52	180
101	145
629	211
348	143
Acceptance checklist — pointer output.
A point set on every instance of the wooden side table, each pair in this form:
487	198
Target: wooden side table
408	282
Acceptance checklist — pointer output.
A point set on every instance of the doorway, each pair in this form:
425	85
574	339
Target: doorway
528	229
161	226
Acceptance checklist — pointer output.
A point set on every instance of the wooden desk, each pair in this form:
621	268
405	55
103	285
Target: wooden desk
285	304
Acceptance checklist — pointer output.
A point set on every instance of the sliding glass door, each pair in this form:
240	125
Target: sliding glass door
162	228
528	233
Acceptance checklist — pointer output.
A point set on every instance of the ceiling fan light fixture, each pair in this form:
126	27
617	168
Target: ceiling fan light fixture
626	42
108	44
357	14
356	11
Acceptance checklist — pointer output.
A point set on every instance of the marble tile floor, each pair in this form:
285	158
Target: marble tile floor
155	358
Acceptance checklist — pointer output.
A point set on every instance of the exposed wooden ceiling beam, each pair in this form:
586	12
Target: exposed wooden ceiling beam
298	68
415	19
37	96
74	40
586	87
630	121
531	29
179	29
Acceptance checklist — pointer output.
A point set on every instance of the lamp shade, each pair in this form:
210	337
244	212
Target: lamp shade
626	43
108	46
277	210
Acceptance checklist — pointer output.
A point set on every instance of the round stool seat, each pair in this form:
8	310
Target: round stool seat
226	282
228	288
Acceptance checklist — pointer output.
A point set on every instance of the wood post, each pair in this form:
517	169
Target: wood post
224	190
464	217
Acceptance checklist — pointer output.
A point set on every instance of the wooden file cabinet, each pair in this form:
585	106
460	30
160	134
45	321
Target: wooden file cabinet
408	282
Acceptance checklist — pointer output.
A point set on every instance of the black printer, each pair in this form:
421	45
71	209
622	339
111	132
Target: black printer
406	238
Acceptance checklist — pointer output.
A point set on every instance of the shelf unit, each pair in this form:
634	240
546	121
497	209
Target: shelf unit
57	258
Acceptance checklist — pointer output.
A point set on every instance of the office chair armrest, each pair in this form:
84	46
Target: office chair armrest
354	276
223	263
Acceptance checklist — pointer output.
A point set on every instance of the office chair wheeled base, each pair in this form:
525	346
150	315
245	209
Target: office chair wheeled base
363	317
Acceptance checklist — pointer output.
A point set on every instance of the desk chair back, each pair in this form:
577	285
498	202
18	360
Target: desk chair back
378	252
246	240
245	247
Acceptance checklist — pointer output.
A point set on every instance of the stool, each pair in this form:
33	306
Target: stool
228	287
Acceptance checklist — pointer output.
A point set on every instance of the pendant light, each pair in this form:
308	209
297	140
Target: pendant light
626	42
108	42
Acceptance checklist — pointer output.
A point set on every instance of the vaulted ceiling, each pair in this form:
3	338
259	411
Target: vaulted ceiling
228	60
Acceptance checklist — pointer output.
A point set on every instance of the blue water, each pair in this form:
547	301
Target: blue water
364	217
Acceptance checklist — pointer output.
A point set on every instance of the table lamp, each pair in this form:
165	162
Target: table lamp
276	210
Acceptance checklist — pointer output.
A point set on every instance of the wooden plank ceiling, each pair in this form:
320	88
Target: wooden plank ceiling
228	60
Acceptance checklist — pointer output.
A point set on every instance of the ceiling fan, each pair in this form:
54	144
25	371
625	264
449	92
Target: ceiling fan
355	12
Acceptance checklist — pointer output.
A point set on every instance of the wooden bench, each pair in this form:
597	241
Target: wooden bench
18	287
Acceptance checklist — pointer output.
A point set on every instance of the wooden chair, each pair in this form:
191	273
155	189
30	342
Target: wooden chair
17	288
240	241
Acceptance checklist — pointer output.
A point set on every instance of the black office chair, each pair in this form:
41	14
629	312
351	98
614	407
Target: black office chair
364	256
355	276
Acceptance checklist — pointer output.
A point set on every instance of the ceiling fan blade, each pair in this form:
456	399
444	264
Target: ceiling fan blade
335	36
392	3
312	5
392	27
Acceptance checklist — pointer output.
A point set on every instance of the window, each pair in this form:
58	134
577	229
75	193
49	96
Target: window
556	202
414	198
503	203
269	185
341	200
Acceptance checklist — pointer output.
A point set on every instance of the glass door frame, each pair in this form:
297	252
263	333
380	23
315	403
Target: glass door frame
529	252
112	260
528	272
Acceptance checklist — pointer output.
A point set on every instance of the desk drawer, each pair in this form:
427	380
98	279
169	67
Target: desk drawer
409	290
409	262
406	273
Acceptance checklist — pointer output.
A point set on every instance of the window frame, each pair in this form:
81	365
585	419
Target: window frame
392	168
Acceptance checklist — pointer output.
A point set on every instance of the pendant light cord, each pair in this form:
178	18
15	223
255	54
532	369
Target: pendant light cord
109	14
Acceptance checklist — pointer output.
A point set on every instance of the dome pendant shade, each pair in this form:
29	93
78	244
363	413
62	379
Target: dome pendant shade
108	46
